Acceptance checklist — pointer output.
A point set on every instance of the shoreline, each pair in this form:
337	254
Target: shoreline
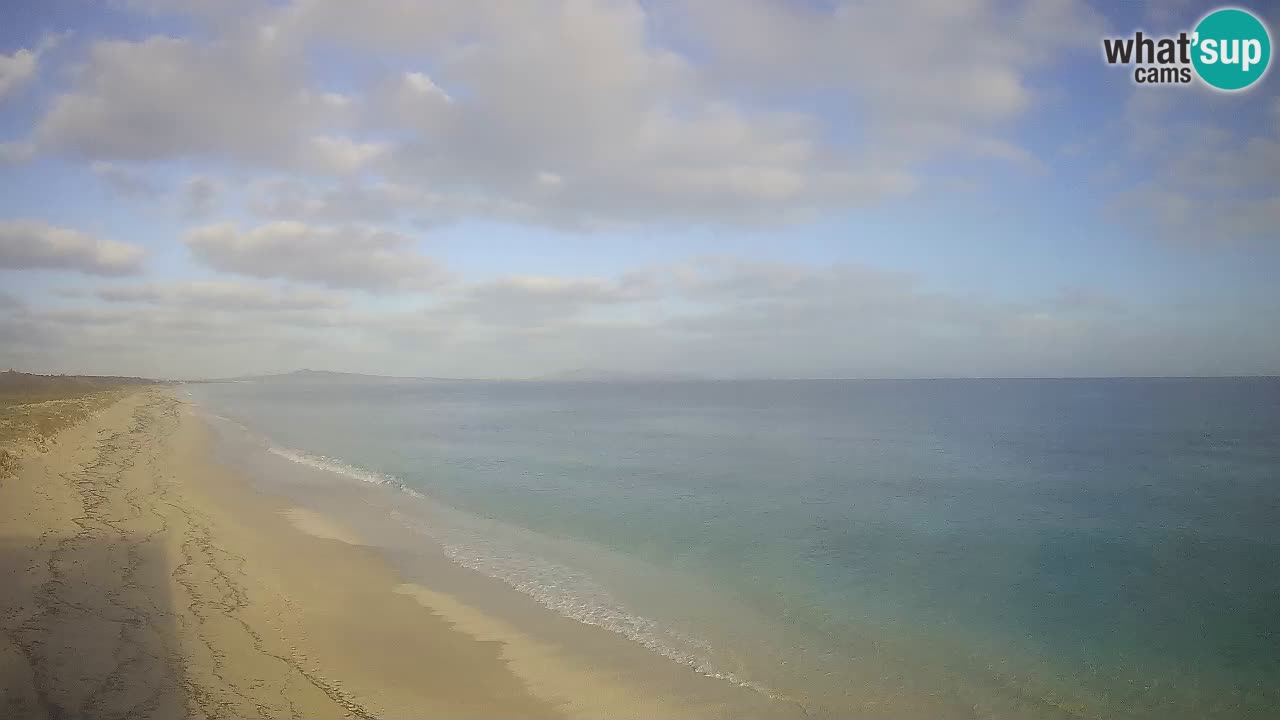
143	577
584	669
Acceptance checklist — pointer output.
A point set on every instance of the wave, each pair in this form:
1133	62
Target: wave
576	595
333	465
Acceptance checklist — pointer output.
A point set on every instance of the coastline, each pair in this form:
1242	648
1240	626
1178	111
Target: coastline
146	578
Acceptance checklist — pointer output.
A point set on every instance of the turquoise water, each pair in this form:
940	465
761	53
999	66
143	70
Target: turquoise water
949	548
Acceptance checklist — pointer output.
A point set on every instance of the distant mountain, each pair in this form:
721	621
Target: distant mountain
599	375
308	374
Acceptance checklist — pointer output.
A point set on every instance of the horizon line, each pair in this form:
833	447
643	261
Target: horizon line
624	376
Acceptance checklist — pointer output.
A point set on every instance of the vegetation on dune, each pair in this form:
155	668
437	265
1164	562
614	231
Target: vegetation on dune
35	408
18	387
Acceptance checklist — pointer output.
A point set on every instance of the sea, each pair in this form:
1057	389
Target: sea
967	548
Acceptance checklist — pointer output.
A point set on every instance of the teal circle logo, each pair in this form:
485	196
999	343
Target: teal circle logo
1232	49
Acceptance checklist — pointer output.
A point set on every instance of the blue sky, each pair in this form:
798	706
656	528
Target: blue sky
199	188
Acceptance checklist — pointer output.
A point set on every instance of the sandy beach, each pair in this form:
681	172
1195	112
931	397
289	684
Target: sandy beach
142	580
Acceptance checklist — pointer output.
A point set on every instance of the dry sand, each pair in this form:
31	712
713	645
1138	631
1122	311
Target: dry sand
140	580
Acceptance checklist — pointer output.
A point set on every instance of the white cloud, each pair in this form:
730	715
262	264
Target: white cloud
713	317
351	257
338	154
241	98
216	10
21	67
423	87
580	113
347	202
36	245
533	301
572	112
16	70
924	76
223	295
1208	185
582	92
401	26
726	316
159	340
632	130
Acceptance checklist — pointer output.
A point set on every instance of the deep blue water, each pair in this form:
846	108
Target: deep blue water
1003	548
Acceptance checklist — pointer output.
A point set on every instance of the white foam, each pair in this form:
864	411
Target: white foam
575	595
334	465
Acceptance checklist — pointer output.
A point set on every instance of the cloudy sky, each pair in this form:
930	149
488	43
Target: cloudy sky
803	188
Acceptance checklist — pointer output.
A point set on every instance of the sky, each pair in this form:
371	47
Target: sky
718	188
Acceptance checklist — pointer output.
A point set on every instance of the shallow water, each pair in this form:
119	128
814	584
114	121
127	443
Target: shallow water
953	548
